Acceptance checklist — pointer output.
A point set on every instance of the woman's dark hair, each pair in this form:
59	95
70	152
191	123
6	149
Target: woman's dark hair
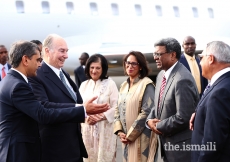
104	64
142	63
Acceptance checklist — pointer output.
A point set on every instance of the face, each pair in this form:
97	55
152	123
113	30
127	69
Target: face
189	46
83	59
95	70
164	60
132	67
205	65
58	53
3	55
33	64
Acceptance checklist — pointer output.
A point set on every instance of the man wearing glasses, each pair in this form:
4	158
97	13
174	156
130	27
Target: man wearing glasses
176	97
212	120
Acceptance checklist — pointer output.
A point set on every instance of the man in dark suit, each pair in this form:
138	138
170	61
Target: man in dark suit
20	112
60	142
4	66
176	97
79	72
211	128
192	63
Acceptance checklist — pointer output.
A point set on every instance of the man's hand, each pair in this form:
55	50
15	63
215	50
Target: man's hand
152	124
191	121
92	108
123	138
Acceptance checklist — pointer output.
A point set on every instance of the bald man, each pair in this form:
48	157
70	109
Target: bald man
192	63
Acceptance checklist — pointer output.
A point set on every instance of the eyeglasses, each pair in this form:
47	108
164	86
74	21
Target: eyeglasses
133	64
158	54
202	55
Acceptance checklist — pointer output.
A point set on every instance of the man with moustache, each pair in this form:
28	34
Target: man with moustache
4	66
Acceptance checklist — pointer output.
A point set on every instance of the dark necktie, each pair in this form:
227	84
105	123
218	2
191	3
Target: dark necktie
67	87
163	83
206	89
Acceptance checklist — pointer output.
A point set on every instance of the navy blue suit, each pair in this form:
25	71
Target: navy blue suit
60	142
212	122
20	113
80	76
9	67
203	81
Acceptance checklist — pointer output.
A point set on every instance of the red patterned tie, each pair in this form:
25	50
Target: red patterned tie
161	92
3	72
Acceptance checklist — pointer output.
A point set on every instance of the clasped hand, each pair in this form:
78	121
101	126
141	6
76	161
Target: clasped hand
152	123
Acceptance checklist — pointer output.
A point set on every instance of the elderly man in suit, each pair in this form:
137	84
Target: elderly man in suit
211	128
192	63
4	66
176	97
20	112
79	72
54	88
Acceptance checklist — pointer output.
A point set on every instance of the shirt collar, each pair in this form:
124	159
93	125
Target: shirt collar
21	74
219	74
189	57
168	72
56	71
135	80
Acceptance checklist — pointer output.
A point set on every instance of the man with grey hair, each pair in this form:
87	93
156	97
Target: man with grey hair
54	88
20	112
176	97
211	127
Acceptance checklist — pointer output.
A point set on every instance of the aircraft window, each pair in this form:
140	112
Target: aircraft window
158	10
20	6
176	11
195	12
45	7
115	10
69	7
138	9
93	8
210	13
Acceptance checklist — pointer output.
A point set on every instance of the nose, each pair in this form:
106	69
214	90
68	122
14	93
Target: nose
155	57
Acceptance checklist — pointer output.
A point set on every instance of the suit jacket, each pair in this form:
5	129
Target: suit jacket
212	123
60	142
9	67
80	76
203	81
20	113
179	100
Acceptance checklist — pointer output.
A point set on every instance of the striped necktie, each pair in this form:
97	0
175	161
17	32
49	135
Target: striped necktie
163	83
67	87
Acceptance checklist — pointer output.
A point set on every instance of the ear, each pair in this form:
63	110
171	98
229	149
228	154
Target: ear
211	59
173	56
25	60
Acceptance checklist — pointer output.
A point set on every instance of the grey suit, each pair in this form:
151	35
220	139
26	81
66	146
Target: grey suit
179	101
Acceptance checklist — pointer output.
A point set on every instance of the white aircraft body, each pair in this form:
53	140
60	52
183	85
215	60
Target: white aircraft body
114	27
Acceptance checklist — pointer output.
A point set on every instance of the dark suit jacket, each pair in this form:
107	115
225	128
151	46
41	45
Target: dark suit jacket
60	142
203	81
80	76
19	113
212	122
179	100
9	67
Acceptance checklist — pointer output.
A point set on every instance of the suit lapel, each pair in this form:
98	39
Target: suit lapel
168	85
49	73
226	75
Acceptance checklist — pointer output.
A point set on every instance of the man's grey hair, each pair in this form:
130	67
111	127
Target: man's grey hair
19	49
220	50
